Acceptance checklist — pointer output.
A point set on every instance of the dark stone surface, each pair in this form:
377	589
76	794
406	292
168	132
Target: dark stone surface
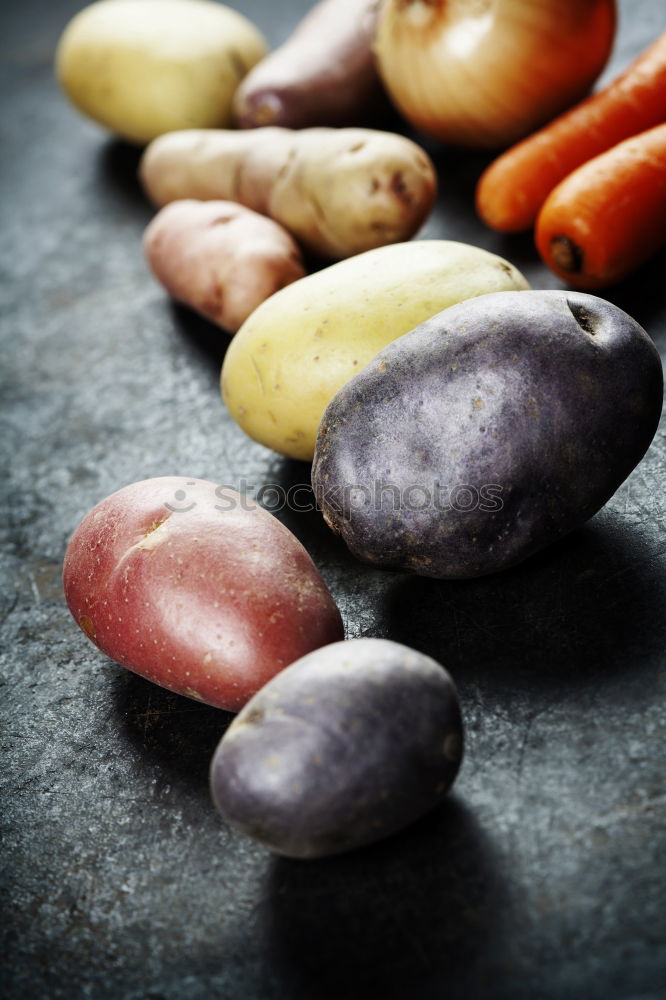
540	878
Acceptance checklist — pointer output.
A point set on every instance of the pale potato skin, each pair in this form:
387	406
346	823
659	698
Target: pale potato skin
338	191
219	258
196	588
144	67
296	350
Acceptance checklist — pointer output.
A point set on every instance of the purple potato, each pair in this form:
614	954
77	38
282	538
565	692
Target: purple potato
346	746
488	432
324	74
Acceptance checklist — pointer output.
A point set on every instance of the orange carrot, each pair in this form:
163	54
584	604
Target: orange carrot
513	188
608	216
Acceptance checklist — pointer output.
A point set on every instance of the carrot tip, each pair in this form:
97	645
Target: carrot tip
566	255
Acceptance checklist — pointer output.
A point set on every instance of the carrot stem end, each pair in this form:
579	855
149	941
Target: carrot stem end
566	255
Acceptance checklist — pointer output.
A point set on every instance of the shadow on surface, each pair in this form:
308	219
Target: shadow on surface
636	295
178	733
292	501
587	607
118	164
421	907
208	340
359	590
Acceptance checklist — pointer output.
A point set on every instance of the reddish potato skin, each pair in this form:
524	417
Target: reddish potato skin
220	258
324	74
196	588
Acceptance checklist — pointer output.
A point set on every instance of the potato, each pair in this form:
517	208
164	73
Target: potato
295	352
324	74
220	258
344	747
488	432
196	588
338	191
148	67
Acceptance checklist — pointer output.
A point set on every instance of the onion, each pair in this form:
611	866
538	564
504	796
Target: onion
485	73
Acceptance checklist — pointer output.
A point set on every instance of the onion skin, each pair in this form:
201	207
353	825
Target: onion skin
486	73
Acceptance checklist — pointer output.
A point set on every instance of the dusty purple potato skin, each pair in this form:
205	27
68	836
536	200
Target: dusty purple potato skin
324	74
350	745
551	396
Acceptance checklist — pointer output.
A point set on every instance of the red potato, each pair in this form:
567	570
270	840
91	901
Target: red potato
196	588
220	258
324	74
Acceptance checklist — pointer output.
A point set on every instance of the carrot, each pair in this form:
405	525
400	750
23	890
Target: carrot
608	216
513	188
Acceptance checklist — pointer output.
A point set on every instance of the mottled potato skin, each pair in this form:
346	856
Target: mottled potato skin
346	746
294	353
540	404
220	258
141	69
196	588
338	191
324	74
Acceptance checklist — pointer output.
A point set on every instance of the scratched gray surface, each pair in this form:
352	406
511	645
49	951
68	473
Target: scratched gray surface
541	878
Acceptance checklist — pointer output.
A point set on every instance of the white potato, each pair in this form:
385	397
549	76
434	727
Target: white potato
300	346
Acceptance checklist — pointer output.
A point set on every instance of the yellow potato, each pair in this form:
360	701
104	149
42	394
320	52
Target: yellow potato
305	342
145	67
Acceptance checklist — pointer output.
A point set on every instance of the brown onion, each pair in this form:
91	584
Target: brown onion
485	73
